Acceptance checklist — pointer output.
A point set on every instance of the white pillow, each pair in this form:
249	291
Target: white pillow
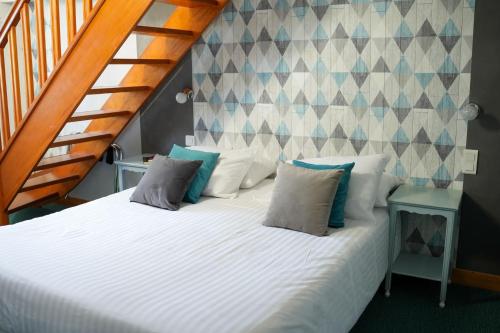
231	168
260	169
364	183
387	183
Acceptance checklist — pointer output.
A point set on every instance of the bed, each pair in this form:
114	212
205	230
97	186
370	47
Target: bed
115	266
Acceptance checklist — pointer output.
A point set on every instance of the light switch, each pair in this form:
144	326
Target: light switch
469	161
189	140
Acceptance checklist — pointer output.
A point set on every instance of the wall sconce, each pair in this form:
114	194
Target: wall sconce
470	111
183	96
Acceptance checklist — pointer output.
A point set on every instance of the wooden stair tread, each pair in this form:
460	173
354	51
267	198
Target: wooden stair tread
191	3
139	61
27	199
55	161
97	114
79	138
163	32
46	179
117	89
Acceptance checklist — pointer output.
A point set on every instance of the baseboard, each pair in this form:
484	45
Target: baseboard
70	201
476	279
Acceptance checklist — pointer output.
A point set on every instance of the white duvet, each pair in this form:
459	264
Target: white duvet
115	266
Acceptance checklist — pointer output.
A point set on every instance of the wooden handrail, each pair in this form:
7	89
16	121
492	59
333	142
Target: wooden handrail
11	21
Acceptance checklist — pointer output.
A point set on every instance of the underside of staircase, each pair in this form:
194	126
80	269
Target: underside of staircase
27	177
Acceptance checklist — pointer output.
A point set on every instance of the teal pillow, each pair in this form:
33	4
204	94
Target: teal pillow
203	174
337	213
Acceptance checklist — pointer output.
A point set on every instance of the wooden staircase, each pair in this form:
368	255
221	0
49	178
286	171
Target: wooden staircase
26	176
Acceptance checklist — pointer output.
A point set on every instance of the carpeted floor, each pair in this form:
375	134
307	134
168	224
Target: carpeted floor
32	212
413	307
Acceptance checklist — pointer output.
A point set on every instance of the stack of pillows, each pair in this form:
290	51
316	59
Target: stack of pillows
309	195
187	174
314	194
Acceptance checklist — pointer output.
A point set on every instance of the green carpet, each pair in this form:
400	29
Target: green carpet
413	307
32	212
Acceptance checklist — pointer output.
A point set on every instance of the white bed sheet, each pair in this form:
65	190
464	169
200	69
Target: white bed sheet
115	266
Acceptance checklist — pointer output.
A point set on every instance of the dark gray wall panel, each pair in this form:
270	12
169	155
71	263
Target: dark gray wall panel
479	247
164	121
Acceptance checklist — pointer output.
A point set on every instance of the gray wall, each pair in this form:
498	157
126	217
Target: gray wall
479	246
165	122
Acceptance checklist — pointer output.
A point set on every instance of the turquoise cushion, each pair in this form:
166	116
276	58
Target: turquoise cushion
337	214
203	174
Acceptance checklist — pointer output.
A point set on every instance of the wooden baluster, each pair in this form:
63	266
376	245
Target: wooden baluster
4	102
87	8
14	66
40	32
56	31
28	62
71	19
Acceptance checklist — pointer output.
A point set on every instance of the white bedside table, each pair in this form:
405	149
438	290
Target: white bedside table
426	201
132	164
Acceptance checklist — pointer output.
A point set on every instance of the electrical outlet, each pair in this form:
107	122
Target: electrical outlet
469	161
189	140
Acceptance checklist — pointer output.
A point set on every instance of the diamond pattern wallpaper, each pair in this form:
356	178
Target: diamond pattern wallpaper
308	78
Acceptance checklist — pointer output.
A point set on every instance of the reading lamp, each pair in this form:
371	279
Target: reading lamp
183	96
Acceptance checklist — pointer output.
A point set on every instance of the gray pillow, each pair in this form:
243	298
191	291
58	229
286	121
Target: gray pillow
302	199
165	182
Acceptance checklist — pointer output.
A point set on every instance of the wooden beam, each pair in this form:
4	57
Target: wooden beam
98	114
164	32
4	102
35	197
28	60
119	89
476	279
71	19
56	161
41	45
87	8
46	180
141	62
191	3
73	139
16	84
56	31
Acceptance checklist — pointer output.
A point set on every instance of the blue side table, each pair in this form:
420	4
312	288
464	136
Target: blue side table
133	164
425	201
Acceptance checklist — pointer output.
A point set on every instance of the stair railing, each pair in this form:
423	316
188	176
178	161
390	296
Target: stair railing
16	96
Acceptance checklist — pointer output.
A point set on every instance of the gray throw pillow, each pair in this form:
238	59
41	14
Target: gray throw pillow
165	182
302	199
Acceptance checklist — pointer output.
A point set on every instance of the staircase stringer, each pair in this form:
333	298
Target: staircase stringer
196	19
87	57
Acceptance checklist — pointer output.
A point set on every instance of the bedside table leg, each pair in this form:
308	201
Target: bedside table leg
120	179
448	248
393	220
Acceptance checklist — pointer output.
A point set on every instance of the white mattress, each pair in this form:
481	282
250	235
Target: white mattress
115	266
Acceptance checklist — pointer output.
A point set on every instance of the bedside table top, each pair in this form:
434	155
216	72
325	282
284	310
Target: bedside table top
134	161
427	197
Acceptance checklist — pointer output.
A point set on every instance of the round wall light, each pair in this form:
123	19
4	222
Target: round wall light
183	96
470	111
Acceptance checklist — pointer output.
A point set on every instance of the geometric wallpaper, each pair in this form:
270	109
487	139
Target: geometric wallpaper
307	78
